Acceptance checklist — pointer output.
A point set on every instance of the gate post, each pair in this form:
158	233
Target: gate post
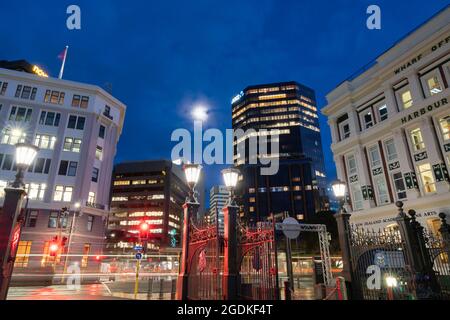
427	262
407	234
230	268
343	225
444	230
190	208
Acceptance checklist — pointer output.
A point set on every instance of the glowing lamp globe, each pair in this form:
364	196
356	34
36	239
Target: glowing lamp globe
25	154
192	172
339	189
230	177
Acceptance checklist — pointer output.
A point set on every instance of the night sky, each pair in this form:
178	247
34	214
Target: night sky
162	57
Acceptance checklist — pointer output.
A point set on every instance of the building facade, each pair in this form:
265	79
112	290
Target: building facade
288	110
151	191
390	127
76	127
218	198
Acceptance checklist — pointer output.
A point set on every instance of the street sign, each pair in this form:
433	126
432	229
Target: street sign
290	227
138	248
138	256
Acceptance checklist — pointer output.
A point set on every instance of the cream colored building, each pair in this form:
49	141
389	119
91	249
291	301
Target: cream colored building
390	128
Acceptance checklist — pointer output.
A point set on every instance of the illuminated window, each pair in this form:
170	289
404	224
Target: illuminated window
433	83
135	182
417	140
63	193
13	136
119	199
55	97
44	141
121	182
23	253
91	197
35	191
445	127
3	184
406	99
80	101
85	258
272	96
426	175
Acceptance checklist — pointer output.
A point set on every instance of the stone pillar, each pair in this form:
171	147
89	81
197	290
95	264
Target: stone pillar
334	130
230	268
10	228
391	102
415	87
343	225
190	209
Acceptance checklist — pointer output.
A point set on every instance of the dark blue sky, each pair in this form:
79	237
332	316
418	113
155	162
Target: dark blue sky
161	56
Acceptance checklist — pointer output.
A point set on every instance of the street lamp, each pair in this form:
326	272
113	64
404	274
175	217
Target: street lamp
192	172
339	190
11	219
391	283
230	177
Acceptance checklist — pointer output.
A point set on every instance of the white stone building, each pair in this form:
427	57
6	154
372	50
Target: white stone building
77	127
390	128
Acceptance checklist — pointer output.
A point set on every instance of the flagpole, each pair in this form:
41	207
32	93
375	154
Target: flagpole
63	63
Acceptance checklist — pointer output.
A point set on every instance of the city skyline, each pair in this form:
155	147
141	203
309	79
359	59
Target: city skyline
161	89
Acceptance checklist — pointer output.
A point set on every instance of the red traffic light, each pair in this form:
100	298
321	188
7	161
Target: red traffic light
144	226
53	249
144	229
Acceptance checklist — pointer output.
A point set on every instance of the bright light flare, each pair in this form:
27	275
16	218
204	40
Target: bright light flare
200	113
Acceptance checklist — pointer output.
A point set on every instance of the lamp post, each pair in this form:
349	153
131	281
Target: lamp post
230	271
10	217
77	206
343	224
190	208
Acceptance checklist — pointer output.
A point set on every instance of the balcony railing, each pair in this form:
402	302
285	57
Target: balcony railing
95	205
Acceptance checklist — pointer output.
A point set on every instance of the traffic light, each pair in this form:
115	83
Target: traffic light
53	247
63	241
144	230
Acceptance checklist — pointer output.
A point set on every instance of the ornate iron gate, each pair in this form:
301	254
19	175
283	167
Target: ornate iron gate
258	262
205	263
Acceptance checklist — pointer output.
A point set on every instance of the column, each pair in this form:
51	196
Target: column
415	87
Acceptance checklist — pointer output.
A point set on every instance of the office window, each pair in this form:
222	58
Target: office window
3	87
49	118
383	112
101	132
72	144
76	122
54	97
90	222
381	189
63	193
35	191
91	197
426	175
351	163
20	114
391	152
374	156
357	197
32	218
399	184
25	92
367	119
85	258
13	136
72	171
432	83
22	254
99	153
445	127
7	162
406	99
41	165
95	175
44	141
80	101
417	140
63	165
53	219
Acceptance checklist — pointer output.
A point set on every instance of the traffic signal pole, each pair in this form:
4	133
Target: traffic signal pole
136	283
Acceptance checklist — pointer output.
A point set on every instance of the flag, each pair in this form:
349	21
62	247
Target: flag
62	55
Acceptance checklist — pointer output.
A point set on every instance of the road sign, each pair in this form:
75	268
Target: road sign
138	256
290	227
138	248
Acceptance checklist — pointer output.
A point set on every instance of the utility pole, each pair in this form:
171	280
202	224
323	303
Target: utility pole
69	242
289	261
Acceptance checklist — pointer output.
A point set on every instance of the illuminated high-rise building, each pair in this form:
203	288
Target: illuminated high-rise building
289	110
